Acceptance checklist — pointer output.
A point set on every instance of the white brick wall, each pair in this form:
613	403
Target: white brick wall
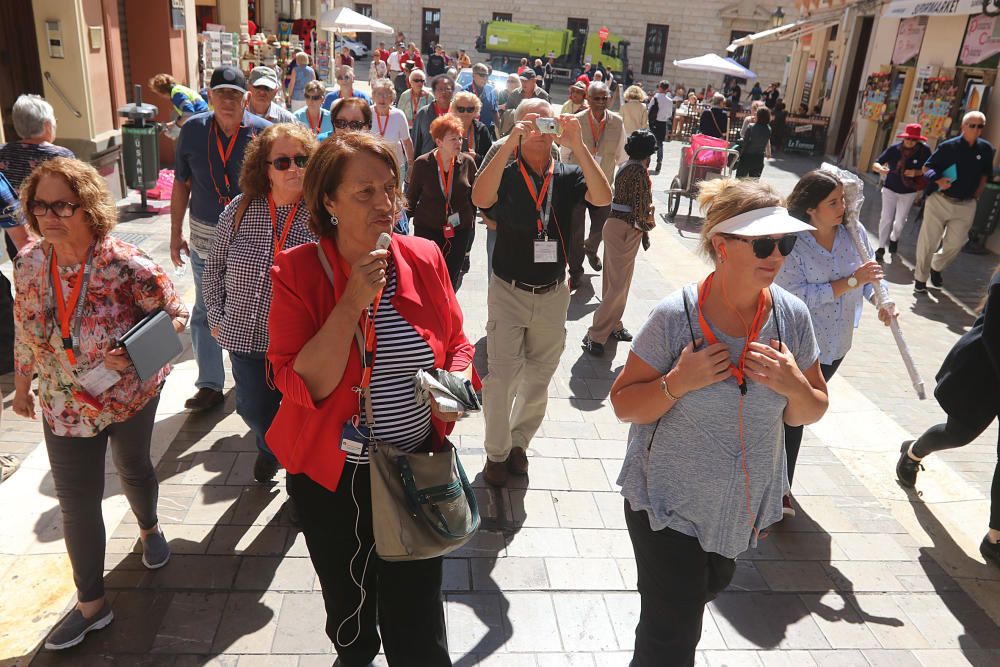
696	28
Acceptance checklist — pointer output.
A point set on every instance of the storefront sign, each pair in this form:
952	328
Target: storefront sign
905	8
979	44
909	38
807	85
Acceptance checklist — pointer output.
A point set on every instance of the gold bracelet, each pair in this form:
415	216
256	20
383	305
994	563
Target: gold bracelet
666	390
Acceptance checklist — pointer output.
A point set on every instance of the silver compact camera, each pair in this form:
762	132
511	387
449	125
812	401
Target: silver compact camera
548	125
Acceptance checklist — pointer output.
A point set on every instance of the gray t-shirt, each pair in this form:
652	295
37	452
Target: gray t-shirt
690	477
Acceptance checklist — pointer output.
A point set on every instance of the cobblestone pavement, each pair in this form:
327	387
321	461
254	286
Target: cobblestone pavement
864	575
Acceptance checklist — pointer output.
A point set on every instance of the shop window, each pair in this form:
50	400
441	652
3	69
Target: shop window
655	50
742	54
503	16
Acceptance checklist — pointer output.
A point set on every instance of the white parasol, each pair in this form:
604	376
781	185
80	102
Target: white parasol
716	64
343	20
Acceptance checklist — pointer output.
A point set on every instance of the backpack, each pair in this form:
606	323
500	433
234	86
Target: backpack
10	205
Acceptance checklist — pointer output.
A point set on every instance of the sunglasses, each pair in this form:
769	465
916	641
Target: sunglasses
314	97
356	125
60	209
465	109
285	163
764	247
977	126
416	80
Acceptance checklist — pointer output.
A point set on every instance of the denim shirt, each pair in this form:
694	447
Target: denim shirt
808	272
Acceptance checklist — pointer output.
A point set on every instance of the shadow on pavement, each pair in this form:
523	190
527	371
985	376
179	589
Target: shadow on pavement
763	617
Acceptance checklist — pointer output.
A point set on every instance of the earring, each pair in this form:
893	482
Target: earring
333	220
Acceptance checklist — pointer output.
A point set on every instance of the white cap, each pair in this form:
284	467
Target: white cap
761	222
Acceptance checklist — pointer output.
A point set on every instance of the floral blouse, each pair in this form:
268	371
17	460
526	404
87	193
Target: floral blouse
124	285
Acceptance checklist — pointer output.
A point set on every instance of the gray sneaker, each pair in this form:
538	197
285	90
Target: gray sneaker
155	551
8	466
74	628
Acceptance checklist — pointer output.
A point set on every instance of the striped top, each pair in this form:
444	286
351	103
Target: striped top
399	353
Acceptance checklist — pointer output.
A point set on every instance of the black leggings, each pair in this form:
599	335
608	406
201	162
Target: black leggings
454	249
793	434
955	433
676	579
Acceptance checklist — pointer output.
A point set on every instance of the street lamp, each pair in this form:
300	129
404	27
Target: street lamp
777	17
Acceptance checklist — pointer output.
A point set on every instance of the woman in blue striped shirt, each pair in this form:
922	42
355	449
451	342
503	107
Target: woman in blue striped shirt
826	272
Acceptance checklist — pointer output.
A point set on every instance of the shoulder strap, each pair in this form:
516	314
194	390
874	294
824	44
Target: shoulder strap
241	210
687	312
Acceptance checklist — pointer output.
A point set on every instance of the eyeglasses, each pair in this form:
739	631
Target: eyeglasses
314	97
763	247
356	125
60	209
416	80
976	126
284	163
465	109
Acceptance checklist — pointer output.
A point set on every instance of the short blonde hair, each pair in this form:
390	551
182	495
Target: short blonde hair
253	177
315	87
724	198
162	83
302	58
466	98
95	199
635	93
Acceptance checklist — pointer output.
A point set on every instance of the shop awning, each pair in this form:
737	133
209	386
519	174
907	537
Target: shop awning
907	8
792	30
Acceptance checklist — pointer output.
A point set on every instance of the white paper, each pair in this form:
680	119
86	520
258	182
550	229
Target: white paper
99	379
351	447
545	252
427	388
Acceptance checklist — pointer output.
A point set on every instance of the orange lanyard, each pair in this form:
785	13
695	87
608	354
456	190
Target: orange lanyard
279	239
414	100
752	333
382	128
537	196
224	156
66	310
319	121
367	325
445	179
470	139
597	135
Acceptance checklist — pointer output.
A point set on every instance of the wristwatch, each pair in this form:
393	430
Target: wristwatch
852	282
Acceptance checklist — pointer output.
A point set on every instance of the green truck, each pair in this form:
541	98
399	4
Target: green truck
570	50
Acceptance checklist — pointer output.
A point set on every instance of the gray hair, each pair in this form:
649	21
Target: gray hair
31	114
416	72
481	69
718	100
533	105
598	87
965	119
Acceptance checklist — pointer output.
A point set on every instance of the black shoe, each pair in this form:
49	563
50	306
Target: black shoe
204	399
594	260
919	287
645	240
265	468
622	335
907	468
591	347
466	265
990	551
936	279
657	170
893	246
880	255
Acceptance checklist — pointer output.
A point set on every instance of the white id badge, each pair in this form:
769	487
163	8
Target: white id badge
98	380
454	220
351	447
545	252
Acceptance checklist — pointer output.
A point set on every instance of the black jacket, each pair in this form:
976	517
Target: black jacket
969	380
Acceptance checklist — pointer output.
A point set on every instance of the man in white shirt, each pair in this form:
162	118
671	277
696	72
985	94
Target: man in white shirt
663	105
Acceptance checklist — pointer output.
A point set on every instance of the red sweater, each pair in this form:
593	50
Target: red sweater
305	435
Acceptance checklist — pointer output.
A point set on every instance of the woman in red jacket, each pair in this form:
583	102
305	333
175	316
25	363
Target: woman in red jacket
401	297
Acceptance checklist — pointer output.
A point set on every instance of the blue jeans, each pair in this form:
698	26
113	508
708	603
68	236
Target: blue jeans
491	243
256	402
207	352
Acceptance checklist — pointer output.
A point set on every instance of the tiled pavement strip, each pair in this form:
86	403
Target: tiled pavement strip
864	575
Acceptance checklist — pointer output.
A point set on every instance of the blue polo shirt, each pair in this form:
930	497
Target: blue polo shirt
198	162
891	156
488	96
335	95
971	162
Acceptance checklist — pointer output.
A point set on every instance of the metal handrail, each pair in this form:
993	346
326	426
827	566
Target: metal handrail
52	82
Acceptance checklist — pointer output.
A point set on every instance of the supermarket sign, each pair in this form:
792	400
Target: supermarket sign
907	8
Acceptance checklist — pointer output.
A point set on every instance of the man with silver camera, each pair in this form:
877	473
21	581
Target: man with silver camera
531	198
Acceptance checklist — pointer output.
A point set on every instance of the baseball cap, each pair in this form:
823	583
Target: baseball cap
228	76
528	74
761	222
263	76
578	85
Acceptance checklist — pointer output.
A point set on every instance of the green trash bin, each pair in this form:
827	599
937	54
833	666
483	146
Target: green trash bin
141	152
